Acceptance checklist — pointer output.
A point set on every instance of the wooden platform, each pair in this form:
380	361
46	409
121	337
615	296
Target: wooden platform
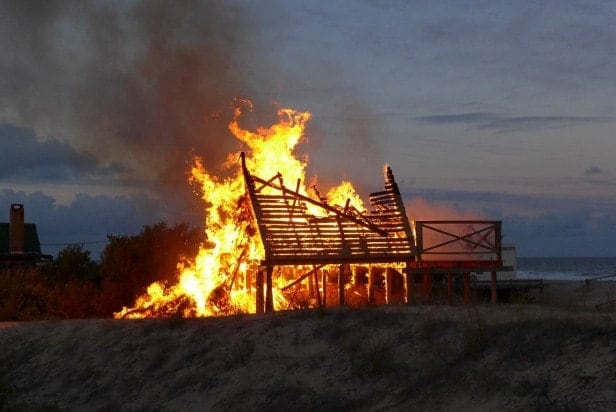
512	284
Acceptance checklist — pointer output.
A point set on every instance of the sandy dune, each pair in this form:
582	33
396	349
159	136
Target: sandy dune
558	353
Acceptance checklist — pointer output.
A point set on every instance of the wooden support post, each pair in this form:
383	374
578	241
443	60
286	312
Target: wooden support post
450	288
316	286
341	285
428	286
259	291
493	287
370	286
324	283
389	285
311	283
410	286
467	287
269	292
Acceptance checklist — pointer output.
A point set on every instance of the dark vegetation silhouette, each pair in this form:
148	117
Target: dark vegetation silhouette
75	286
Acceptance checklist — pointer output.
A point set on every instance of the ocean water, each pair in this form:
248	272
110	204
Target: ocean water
566	268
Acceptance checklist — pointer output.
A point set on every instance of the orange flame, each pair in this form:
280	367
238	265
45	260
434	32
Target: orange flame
220	280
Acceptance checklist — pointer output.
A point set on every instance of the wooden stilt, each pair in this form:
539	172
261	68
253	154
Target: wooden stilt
316	287
428	286
371	286
311	282
389	286
450	288
493	287
341	285
410	285
259	291
269	293
467	287
324	283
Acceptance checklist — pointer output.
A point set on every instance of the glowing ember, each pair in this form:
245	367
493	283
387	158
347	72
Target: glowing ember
220	280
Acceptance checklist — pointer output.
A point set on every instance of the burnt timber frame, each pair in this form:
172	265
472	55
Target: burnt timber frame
291	235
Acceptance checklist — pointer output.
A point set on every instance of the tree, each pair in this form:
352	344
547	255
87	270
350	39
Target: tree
72	264
130	264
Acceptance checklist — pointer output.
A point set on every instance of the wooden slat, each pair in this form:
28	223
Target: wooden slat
292	236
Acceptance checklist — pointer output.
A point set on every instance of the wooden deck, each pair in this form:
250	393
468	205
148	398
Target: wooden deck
511	284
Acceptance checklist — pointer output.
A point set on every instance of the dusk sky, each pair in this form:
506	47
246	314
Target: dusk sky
495	110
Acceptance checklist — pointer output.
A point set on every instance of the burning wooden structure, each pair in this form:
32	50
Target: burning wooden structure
299	231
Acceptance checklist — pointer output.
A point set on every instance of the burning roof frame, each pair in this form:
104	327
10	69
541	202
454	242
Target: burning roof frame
291	236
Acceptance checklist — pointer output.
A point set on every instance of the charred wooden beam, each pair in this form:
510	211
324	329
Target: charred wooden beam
269	292
259	301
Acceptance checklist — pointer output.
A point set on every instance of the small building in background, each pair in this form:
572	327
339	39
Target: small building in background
19	241
509	257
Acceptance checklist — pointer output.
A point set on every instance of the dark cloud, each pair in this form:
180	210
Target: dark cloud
593	170
24	157
561	48
86	220
144	85
526	123
139	88
577	232
564	226
503	123
472	118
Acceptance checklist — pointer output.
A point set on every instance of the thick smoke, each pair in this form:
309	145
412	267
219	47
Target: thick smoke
148	83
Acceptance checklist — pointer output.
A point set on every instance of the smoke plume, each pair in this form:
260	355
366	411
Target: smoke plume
148	83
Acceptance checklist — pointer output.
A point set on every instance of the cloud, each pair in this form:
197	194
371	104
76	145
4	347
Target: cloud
24	157
86	220
136	89
472	118
524	47
593	171
577	232
504	123
540	225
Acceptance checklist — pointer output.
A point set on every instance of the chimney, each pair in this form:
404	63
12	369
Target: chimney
16	229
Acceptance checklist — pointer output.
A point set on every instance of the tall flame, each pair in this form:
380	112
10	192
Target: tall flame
218	281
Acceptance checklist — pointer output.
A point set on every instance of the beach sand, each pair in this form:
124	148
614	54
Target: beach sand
555	353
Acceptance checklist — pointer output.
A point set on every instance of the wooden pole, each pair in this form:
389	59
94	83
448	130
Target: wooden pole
316	287
269	293
467	287
493	287
259	291
428	286
311	283
341	285
324	283
410	285
370	286
389	286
